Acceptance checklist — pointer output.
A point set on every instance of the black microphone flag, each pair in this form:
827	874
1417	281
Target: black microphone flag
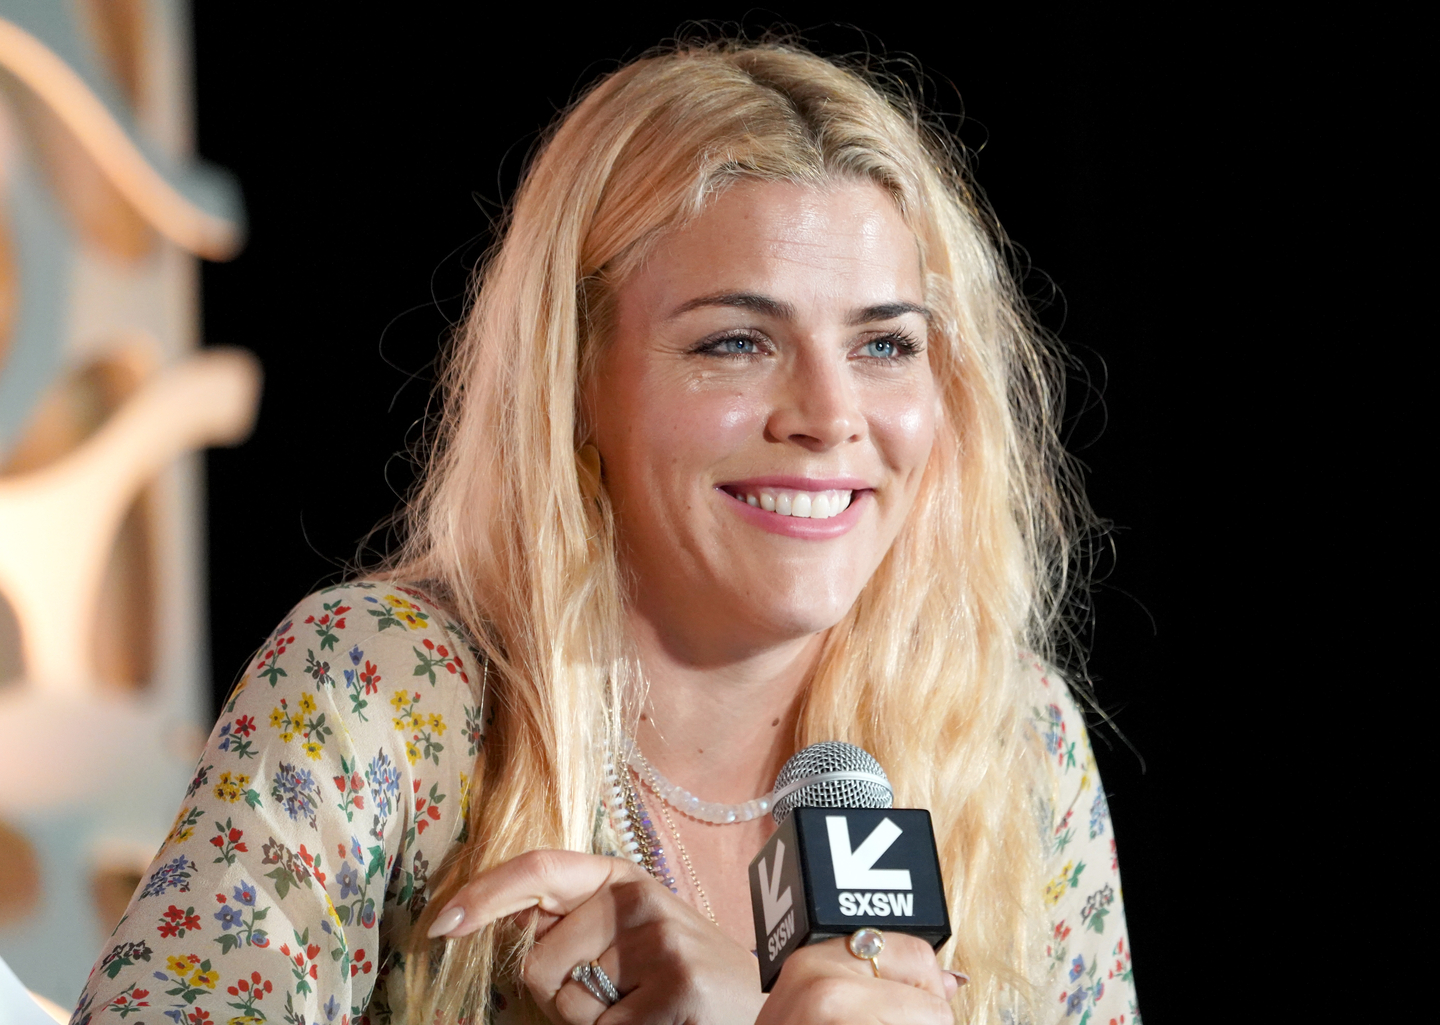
828	871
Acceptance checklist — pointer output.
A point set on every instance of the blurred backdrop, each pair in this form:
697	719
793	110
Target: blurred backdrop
1144	165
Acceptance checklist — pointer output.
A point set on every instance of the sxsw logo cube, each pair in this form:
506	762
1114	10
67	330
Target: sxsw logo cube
828	871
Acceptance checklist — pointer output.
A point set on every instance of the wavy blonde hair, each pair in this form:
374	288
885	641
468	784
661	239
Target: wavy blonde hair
924	671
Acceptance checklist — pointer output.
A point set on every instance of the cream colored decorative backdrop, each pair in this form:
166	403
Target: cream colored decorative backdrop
104	397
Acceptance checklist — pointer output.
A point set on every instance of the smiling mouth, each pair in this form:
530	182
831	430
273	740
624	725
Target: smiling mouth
808	505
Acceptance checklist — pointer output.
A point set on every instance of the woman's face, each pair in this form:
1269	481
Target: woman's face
764	413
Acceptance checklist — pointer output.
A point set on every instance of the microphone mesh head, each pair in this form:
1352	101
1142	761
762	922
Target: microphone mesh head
825	757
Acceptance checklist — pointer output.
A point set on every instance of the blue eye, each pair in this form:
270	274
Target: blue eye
736	346
731	345
890	347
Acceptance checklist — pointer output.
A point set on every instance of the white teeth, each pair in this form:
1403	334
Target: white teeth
814	505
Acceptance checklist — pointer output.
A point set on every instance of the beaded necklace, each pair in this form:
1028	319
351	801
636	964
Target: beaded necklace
638	838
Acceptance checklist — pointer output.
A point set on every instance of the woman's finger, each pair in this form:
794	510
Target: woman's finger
556	882
574	1003
586	934
905	959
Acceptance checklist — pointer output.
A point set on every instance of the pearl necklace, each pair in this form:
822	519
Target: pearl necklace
686	803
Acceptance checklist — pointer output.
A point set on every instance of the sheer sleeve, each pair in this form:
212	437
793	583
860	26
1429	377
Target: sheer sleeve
1088	950
334	782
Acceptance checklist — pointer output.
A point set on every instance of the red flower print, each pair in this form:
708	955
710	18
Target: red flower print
371	677
360	964
425	812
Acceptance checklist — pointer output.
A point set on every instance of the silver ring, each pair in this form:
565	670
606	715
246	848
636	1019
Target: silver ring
584	973
603	981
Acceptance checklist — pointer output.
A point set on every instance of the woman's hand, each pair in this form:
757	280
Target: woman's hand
668	963
824	983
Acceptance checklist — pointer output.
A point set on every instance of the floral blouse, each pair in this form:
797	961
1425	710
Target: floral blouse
337	779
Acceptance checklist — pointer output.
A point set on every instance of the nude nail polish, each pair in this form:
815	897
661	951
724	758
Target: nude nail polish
446	922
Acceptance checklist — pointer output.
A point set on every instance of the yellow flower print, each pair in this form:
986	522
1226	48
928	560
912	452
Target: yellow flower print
307	704
464	797
400	699
312	750
412	752
231	787
179	965
184	827
1055	888
334	915
437	723
278	718
245	1019
407	612
206	979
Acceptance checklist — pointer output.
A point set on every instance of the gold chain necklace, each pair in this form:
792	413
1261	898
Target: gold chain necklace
679	845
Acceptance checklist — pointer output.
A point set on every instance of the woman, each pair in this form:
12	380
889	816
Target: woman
747	445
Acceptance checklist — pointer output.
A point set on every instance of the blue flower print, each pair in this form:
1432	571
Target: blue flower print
245	894
1076	1002
349	880
1077	968
331	1008
384	783
1099	812
297	790
229	917
355	655
355	850
172	874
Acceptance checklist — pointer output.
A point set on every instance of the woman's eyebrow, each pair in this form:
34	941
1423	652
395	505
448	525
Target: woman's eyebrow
762	304
886	311
765	305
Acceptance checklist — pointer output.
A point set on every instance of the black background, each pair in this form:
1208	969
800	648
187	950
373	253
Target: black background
1155	170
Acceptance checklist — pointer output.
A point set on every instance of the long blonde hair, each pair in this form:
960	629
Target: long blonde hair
925	671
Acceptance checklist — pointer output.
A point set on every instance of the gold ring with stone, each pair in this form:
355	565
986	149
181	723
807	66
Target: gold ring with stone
866	944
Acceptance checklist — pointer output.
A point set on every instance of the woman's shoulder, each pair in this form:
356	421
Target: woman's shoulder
1057	720
1056	716
369	655
350	632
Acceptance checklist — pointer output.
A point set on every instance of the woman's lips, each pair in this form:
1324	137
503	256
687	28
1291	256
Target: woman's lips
817	509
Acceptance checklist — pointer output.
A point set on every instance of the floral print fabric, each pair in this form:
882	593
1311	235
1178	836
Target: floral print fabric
1088	950
333	784
336	781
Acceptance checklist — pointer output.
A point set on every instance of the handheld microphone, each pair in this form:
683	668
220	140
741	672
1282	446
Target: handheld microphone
842	859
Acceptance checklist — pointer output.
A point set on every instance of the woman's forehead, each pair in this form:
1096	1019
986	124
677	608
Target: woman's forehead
843	239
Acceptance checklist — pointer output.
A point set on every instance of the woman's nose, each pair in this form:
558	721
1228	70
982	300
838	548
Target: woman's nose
816	406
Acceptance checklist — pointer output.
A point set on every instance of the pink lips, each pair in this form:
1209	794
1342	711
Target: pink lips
796	526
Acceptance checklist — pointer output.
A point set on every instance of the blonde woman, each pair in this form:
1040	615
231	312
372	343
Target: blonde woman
747	445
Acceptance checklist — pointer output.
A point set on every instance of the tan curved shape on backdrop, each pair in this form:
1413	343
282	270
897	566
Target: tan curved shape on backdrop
58	523
66	94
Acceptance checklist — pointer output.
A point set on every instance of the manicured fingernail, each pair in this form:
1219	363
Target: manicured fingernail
447	921
960	977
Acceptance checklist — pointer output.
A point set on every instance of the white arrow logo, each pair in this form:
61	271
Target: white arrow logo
774	905
853	869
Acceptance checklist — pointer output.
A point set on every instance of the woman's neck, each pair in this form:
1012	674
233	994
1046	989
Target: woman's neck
721	731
